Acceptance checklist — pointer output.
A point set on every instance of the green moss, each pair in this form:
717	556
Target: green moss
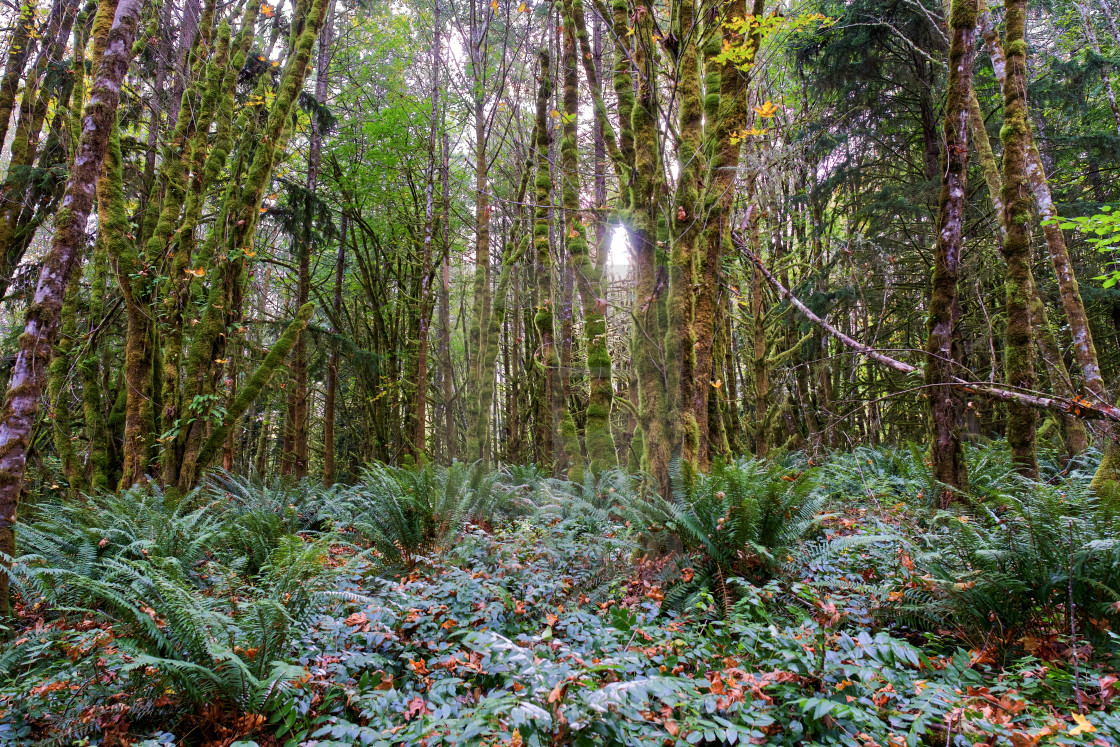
252	387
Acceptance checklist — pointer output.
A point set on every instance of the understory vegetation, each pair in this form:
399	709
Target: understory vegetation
779	602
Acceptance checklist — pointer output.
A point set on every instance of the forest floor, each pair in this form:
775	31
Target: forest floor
800	605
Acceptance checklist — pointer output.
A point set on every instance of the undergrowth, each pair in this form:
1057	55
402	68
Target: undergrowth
766	603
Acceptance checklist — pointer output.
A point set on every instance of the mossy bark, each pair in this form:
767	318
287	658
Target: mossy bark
1019	357
1106	480
209	161
478	429
295	458
114	227
594	85
651	278
598	440
726	115
1073	430
760	364
28	377
241	210
1072	304
90	370
20	46
61	425
943	342
547	360
687	222
480	317
252	388
17	222
1074	435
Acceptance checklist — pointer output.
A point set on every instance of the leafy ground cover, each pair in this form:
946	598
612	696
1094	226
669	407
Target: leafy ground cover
781	603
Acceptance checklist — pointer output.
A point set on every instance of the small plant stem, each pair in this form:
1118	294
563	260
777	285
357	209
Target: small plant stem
1073	626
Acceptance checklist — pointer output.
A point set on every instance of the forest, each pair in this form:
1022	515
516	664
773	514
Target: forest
560	372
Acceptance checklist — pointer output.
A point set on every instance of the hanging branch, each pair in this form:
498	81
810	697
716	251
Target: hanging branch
1077	406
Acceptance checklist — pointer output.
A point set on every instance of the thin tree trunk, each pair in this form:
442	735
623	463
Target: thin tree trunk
295	462
1073	430
420	434
651	278
543	320
330	405
450	433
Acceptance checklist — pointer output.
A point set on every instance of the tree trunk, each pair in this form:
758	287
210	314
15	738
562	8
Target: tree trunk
420	434
943	345
724	146
330	404
1094	44
28	377
543	321
295	462
651	279
597	421
1019	356
687	218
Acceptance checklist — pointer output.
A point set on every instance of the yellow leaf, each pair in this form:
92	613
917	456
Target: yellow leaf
522	8
221	360
250	254
769	109
494	5
1083	725
555	114
717	383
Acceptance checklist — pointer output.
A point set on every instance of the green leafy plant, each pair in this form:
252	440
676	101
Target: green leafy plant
739	521
1102	233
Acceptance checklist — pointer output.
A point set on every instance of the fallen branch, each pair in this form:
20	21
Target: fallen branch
1078	406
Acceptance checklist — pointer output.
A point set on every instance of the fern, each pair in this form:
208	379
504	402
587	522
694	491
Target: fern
740	521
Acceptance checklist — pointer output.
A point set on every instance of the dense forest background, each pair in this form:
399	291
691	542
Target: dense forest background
527	233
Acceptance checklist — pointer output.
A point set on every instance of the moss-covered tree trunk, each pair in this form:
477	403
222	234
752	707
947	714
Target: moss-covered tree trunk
299	397
760	363
598	440
548	360
1074	432
1019	357
726	118
241	209
61	425
687	221
943	345
18	193
651	279
29	374
21	43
